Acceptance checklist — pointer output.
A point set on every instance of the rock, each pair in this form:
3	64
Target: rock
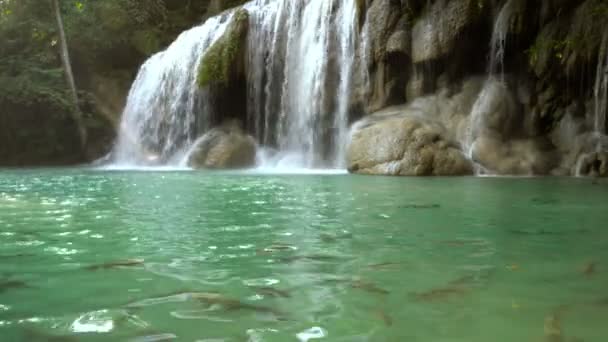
225	60
437	31
224	147
222	74
404	145
387	55
399	42
383	15
514	156
593	165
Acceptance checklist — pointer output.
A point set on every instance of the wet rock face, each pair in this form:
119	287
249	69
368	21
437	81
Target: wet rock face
388	50
405	145
435	34
594	165
225	147
221	75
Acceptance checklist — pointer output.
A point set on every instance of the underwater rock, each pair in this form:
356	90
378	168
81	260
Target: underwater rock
224	147
404	145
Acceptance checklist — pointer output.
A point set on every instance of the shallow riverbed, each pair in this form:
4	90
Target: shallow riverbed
250	257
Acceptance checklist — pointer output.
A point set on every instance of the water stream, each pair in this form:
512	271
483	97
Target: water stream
297	91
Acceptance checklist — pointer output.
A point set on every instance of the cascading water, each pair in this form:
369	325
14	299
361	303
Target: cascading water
302	110
499	39
160	117
299	64
493	86
600	93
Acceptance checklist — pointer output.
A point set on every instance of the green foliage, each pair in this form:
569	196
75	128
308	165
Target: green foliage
219	61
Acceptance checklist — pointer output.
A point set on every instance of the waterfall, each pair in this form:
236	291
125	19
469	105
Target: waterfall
300	72
499	39
348	40
600	92
493	87
299	66
160	117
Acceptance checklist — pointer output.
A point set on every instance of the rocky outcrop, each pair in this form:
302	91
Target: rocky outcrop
221	74
224	147
593	164
437	32
399	143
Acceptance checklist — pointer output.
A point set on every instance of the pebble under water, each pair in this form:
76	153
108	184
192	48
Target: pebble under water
91	255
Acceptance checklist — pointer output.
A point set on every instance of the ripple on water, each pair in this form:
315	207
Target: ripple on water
261	282
312	333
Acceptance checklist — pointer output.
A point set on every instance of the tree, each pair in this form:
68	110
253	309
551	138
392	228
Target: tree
67	67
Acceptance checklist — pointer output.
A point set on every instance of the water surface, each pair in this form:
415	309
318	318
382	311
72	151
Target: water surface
300	257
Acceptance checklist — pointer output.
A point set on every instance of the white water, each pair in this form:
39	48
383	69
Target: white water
161	112
291	99
493	88
600	92
499	39
295	103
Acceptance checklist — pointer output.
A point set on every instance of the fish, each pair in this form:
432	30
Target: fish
230	303
369	287
552	328
154	338
460	243
545	232
384	317
602	301
6	285
442	293
277	247
420	206
314	257
328	238
358	284
271	291
14	256
384	265
214	298
545	200
589	268
116	264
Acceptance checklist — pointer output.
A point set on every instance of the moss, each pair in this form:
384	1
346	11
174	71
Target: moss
221	59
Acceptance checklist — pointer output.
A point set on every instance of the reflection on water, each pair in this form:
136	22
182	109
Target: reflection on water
154	256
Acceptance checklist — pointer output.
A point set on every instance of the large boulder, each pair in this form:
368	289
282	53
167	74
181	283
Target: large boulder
402	144
224	147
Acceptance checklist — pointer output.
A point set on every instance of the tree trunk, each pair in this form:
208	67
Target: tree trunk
67	67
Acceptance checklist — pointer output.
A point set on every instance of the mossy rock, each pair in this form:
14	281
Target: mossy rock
225	58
